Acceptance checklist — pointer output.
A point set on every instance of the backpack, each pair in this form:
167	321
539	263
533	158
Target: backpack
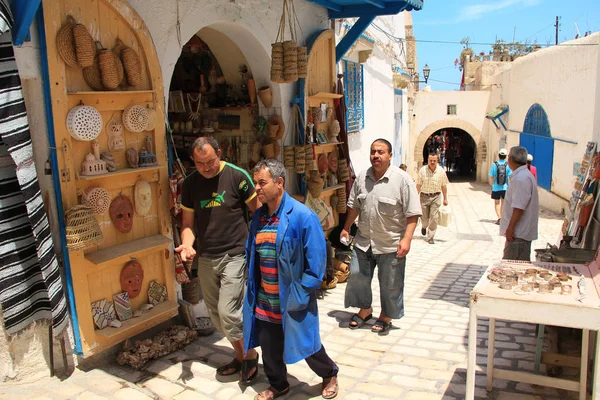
501	174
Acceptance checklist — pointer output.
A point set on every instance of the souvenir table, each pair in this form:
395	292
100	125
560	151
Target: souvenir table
510	290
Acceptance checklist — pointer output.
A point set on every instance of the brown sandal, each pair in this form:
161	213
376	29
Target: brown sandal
329	387
272	393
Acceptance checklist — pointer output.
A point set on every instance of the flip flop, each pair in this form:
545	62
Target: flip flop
234	364
247	366
271	393
359	321
384	326
329	388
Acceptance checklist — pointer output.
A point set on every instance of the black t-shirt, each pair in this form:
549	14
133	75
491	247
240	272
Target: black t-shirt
220	211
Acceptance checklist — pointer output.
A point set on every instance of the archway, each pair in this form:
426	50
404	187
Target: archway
456	152
470	135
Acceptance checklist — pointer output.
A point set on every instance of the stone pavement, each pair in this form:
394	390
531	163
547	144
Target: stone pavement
423	357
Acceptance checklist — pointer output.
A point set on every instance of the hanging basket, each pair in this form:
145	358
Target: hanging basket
84	123
275	127
302	62
135	118
299	159
92	74
65	42
288	157
277	62
343	171
85	47
265	95
131	63
108	69
290	61
82	229
271	150
315	185
97	198
341	203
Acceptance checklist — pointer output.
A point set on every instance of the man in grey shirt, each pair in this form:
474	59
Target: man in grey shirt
385	200
519	222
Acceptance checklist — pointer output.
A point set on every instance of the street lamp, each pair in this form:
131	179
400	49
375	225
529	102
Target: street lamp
426	72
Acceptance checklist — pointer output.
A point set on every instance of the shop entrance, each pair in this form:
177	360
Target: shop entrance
213	93
457	152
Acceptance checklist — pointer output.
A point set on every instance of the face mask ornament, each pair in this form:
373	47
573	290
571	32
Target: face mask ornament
143	198
131	278
121	213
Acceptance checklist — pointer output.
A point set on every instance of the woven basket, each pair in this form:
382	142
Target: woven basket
309	155
288	157
316	114
299	159
290	61
277	62
152	119
191	291
118	49
65	43
343	171
315	185
135	118
132	66
302	62
275	128
85	48
82	229
341	203
93	76
270	150
108	69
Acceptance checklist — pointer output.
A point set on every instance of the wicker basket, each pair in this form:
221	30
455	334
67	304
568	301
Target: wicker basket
93	76
132	66
275	127
82	230
85	47
315	185
316	114
288	157
299	159
341	203
290	61
302	62
65	43
277	62
343	171
108	69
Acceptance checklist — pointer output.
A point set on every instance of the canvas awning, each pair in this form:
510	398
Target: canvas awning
496	114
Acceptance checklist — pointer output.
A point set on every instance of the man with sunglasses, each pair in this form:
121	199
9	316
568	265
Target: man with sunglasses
215	201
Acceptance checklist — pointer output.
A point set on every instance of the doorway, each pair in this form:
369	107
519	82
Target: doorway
457	153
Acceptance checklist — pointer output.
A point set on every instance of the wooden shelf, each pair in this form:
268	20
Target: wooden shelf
110	92
331	190
125	251
119	172
120	178
111	101
159	313
325	148
325	95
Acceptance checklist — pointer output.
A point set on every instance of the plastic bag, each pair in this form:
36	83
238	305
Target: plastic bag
445	216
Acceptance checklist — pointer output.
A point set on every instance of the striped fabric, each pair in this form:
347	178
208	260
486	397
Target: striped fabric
267	305
30	282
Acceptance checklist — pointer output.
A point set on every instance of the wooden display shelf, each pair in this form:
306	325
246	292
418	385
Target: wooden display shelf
119	178
125	251
331	190
159	313
322	97
111	101
325	148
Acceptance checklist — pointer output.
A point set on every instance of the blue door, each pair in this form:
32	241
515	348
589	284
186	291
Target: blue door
536	138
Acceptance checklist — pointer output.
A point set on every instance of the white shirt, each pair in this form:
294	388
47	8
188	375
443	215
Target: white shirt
522	194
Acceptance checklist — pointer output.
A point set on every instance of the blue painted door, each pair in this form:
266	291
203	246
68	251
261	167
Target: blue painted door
542	150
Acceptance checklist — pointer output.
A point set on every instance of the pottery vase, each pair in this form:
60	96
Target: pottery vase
252	90
264	94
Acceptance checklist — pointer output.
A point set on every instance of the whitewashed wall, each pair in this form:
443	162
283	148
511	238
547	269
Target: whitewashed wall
564	81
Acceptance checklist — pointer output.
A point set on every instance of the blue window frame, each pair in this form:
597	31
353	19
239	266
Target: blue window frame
537	139
355	107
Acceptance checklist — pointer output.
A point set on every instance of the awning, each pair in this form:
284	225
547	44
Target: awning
366	11
496	113
23	13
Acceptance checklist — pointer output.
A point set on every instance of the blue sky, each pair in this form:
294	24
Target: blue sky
484	21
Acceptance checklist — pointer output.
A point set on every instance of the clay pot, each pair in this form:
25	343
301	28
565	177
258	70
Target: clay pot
264	94
252	90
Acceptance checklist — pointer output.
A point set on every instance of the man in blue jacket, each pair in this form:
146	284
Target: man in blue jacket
286	262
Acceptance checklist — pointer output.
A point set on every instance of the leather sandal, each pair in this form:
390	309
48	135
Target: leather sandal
271	393
358	321
329	388
235	365
381	326
247	366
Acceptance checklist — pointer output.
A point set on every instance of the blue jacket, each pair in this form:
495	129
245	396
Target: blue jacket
301	261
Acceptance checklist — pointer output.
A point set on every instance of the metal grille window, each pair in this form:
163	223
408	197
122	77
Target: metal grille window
353	77
451	109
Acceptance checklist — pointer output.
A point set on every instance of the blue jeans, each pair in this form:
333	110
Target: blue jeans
390	272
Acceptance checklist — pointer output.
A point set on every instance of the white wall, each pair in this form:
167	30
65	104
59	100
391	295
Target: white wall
564	81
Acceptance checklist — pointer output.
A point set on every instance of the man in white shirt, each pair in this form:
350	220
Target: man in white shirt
519	223
431	186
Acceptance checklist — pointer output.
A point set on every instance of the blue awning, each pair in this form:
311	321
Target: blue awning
359	8
23	13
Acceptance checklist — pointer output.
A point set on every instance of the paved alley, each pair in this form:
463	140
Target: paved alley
423	357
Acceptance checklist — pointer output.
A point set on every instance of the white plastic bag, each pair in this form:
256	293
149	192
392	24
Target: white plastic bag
445	216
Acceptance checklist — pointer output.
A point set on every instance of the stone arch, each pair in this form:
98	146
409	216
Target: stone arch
430	129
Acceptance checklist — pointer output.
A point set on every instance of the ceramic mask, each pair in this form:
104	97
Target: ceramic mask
143	198
131	278
132	157
332	161
322	163
121	213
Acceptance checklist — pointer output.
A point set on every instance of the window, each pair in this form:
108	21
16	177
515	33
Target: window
355	109
451	109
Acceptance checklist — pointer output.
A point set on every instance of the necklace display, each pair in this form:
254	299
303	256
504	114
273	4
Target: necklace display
194	114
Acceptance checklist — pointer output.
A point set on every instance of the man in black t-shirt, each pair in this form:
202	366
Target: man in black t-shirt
215	201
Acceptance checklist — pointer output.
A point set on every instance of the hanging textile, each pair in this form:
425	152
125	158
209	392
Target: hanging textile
30	283
340	112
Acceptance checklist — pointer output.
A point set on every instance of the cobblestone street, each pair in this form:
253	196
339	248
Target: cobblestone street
423	357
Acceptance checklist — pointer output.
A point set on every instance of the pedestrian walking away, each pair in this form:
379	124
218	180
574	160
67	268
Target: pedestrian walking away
286	262
432	183
519	222
499	173
385	201
530	167
215	200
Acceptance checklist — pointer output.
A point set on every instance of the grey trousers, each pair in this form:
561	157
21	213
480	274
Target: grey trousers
390	272
430	207
223	284
518	249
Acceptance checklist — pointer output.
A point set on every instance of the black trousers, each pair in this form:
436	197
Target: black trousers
270	338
